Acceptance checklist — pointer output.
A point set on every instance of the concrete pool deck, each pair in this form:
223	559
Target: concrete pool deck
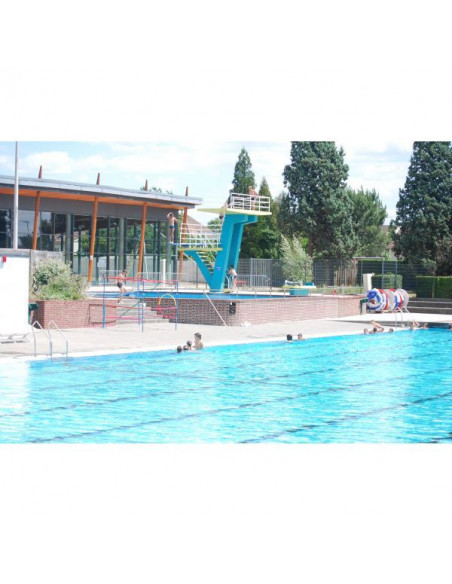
162	335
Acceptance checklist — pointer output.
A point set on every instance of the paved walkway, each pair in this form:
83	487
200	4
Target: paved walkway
162	335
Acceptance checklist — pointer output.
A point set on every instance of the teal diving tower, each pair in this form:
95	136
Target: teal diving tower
215	253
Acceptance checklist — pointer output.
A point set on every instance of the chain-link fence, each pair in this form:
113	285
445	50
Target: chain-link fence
331	273
326	274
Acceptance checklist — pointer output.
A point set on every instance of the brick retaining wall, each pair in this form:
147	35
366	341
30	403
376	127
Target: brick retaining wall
87	313
74	313
256	311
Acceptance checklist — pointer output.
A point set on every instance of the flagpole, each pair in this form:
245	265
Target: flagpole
16	202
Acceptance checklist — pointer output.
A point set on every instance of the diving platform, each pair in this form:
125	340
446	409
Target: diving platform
239	204
215	252
228	211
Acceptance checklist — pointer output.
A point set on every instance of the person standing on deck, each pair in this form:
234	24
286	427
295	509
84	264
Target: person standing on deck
232	274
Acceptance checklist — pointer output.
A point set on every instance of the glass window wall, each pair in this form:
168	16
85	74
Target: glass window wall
117	243
5	228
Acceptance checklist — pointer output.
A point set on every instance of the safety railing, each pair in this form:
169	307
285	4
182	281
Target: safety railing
132	305
253	281
198	236
243	202
143	280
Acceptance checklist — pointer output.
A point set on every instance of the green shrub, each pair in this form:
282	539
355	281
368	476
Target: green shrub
424	286
390	280
54	280
297	264
434	287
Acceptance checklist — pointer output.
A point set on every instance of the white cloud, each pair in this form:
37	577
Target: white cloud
382	167
206	166
53	163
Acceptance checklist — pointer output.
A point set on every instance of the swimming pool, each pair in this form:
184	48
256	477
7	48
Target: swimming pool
187	295
379	388
200	296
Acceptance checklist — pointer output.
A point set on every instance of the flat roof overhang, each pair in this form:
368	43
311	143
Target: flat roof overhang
68	190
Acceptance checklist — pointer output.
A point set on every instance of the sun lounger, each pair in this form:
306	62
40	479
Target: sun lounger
19	335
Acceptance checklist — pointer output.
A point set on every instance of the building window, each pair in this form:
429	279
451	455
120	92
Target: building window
25	229
5	228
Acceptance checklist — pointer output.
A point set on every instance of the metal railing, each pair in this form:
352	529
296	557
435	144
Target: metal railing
198	236
214	307
60	332
253	281
244	202
38	324
48	335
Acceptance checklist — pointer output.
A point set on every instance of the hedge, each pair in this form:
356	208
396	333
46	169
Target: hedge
389	280
434	286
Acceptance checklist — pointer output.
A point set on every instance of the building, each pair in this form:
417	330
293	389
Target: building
97	228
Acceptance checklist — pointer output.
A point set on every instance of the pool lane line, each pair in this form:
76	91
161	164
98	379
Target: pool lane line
154	374
227	409
157	393
347	418
169	392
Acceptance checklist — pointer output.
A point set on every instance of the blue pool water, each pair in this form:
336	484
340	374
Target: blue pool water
194	295
380	388
185	295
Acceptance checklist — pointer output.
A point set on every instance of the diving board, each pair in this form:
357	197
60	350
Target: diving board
214	253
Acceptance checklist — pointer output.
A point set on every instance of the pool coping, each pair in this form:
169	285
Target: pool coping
341	331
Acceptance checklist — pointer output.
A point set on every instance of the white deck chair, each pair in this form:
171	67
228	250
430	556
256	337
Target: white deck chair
17	335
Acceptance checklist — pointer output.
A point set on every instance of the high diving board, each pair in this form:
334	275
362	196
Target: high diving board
240	210
240	204
228	211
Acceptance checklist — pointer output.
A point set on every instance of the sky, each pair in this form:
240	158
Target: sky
206	167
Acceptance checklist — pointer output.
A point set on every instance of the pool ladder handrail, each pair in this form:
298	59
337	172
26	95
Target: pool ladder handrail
60	332
38	324
401	312
49	336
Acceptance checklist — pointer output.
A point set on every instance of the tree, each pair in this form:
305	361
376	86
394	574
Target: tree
261	239
297	264
215	225
368	216
318	201
422	229
283	216
243	175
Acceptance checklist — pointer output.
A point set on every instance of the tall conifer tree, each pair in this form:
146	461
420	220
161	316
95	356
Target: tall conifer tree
422	229
243	174
319	204
369	214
